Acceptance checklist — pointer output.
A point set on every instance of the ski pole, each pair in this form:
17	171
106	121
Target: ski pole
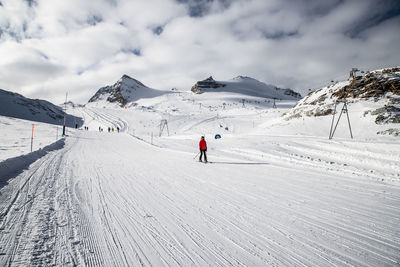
196	155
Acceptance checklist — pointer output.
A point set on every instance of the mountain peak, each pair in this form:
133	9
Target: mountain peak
246	86
124	91
127	79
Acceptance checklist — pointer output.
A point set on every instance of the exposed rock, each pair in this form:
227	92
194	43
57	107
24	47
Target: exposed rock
323	112
125	91
245	86
380	86
387	114
391	131
372	85
290	92
207	83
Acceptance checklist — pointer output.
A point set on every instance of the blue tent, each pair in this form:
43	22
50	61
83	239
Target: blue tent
217	136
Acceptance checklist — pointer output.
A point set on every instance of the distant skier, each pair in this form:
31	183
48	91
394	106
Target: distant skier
203	149
117	129
109	129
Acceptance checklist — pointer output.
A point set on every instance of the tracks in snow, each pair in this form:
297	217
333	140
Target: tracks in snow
110	200
106	119
354	159
29	225
42	223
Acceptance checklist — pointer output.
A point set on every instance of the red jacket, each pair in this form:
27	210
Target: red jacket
203	144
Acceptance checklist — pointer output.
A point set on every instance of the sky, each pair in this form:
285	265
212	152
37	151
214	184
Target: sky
50	47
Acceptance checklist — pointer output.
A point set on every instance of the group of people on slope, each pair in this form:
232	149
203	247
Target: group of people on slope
110	129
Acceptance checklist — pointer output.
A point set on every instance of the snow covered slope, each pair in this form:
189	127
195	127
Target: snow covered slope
373	106
233	112
109	199
125	91
276	192
17	106
16	136
245	86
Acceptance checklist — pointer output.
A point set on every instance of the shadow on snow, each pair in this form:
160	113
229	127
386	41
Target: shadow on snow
12	167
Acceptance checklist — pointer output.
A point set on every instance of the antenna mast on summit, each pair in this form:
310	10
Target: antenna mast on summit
65	112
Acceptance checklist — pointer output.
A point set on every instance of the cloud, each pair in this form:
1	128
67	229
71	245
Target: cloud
375	14
50	47
22	66
200	8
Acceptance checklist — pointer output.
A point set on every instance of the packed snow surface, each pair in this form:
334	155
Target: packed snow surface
275	193
16	136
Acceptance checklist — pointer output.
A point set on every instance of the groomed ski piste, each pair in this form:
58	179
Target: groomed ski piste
277	193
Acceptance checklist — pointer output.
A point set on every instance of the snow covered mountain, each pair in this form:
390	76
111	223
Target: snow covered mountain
275	192
17	106
373	97
246	86
124	92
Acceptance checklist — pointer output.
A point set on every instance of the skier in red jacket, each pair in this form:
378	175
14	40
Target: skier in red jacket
203	149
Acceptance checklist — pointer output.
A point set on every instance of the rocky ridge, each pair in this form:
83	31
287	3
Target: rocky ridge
380	86
204	84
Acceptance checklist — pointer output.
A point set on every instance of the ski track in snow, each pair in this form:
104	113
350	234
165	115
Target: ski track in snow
327	157
112	200
104	119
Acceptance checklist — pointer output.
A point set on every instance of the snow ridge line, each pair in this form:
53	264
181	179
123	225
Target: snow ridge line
12	167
